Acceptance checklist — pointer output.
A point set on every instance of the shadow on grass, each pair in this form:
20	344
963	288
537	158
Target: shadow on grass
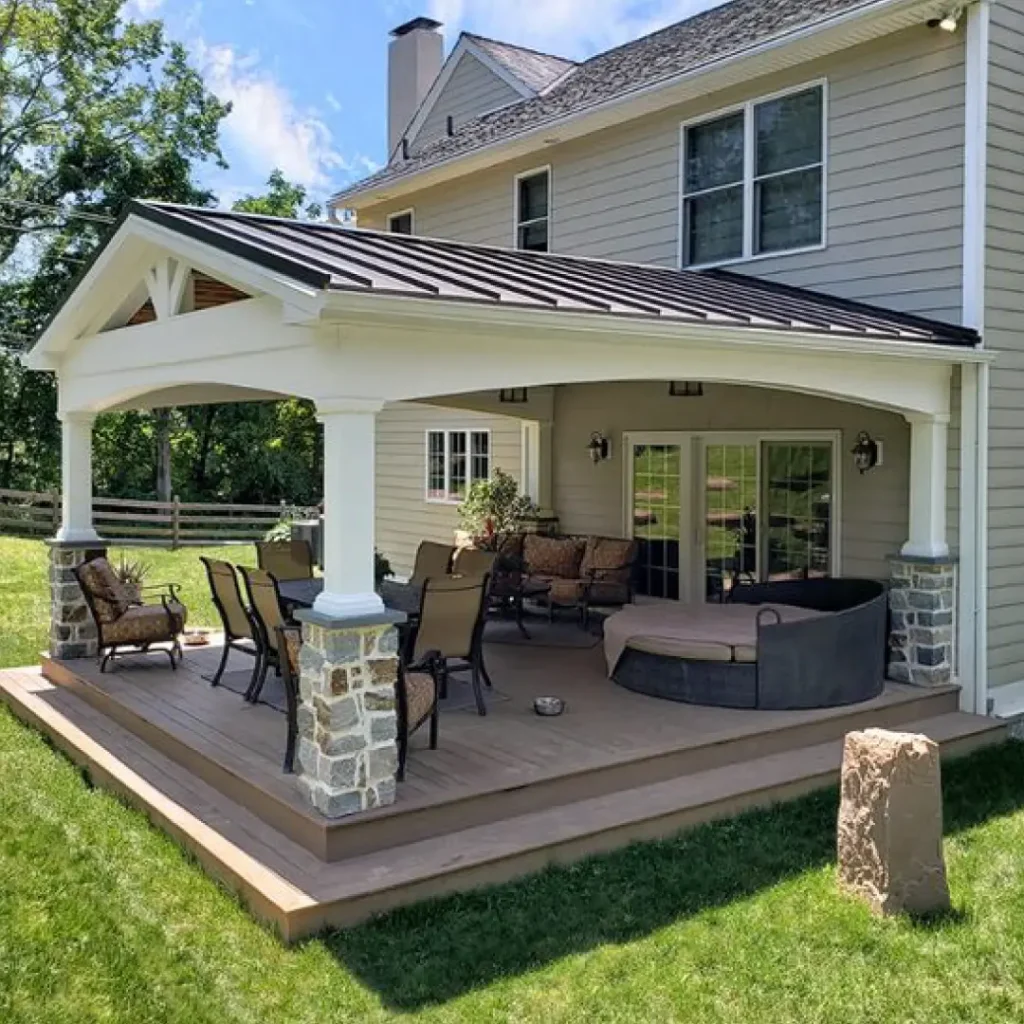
437	951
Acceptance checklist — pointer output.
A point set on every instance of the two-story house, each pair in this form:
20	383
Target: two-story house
868	151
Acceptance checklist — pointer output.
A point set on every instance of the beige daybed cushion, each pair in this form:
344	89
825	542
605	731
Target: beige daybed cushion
703	632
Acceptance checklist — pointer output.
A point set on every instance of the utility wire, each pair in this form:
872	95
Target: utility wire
99	218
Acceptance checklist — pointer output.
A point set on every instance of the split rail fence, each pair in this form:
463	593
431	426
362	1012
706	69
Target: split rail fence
172	524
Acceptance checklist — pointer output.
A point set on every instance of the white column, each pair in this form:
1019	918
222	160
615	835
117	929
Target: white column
349	508
928	438
76	478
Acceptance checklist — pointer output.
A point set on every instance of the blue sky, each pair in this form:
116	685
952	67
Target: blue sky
307	77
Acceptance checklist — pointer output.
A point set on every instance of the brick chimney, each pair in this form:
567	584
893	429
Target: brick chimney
415	57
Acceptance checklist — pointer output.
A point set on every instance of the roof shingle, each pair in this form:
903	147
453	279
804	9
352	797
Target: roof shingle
533	68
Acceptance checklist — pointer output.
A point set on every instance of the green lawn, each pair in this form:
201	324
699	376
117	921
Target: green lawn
102	918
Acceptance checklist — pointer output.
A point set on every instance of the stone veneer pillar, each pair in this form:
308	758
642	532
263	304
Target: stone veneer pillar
348	756
72	631
922	598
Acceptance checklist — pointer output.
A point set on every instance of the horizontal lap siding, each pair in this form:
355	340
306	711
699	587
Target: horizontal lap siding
471	91
1004	332
404	516
590	499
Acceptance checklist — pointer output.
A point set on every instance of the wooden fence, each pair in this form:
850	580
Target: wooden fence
172	524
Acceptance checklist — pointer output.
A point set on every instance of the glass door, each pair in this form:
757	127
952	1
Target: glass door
731	517
657	517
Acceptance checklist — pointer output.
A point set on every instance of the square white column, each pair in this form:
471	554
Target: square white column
76	478
349	508
928	456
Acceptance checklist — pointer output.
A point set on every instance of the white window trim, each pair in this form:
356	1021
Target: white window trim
448	431
692	444
410	212
516	223
749	256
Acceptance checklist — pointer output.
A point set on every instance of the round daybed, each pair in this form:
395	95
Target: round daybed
787	645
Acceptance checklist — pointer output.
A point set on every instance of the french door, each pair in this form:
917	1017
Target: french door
711	512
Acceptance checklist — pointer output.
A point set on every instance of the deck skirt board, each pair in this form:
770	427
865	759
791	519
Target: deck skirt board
505	795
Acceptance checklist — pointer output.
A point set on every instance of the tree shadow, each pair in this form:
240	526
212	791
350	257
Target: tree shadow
436	951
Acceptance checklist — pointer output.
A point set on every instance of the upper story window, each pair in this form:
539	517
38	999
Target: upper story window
533	210
401	223
754	180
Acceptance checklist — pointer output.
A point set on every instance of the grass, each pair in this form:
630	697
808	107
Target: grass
25	603
102	918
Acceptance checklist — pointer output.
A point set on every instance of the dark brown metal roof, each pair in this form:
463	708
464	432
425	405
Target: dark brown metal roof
334	258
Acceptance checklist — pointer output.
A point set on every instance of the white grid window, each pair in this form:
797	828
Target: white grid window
456	459
754	180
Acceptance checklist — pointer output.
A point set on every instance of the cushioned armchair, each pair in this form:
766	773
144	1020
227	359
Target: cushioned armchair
124	623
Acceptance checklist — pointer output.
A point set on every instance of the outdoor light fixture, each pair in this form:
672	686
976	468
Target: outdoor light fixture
598	448
513	396
867	452
686	389
950	23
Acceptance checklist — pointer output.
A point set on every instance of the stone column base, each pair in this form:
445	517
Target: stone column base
72	630
348	755
922	599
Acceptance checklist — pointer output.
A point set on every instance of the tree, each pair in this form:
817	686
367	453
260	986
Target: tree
282	199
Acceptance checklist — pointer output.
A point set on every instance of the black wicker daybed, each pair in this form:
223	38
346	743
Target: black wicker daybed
786	645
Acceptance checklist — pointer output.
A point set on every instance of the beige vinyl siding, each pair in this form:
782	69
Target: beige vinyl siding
591	499
1004	332
404	516
895	181
472	90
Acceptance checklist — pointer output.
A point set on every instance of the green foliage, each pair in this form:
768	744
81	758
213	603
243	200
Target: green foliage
132	571
494	508
282	199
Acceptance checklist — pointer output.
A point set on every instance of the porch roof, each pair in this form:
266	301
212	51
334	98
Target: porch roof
338	260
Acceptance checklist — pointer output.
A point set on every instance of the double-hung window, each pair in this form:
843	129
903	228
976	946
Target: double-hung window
533	211
754	180
401	223
456	459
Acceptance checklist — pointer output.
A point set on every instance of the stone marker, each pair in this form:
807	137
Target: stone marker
890	823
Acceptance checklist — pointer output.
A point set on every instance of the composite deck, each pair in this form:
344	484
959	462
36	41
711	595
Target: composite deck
502	796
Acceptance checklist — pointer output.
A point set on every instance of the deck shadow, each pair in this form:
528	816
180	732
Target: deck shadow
431	953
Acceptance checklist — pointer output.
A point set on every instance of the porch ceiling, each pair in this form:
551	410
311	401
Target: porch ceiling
334	259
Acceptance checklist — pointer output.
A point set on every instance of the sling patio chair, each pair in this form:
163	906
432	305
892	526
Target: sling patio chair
451	628
474	562
289	643
239	634
286	559
432	559
126	625
267	616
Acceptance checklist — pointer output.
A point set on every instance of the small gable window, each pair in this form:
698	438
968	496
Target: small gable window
401	223
533	211
754	180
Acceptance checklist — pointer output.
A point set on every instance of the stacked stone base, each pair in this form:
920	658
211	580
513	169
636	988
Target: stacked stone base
922	598
72	630
348	756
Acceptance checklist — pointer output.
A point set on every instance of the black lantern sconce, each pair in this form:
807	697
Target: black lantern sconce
686	389
599	449
867	452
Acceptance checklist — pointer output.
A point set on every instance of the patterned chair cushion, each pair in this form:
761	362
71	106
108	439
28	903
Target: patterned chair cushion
105	590
142	624
553	556
420	694
511	545
562	591
610	559
292	650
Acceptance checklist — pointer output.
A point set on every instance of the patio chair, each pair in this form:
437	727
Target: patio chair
418	691
474	562
239	634
267	617
432	559
286	559
125	624
451	626
289	643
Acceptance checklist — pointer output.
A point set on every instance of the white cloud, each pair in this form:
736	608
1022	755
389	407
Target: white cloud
571	28
140	9
266	127
333	102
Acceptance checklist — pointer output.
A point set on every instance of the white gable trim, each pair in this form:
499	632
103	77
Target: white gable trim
463	47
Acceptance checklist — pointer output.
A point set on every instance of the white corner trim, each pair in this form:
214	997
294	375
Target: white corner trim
976	165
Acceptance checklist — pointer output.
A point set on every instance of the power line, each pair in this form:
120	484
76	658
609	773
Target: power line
99	218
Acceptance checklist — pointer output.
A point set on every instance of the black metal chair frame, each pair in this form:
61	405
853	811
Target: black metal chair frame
267	657
291	696
432	663
232	642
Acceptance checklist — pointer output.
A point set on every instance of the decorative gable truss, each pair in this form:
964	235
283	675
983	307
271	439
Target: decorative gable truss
175	289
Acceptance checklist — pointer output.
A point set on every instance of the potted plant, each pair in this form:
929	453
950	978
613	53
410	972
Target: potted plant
132	575
493	509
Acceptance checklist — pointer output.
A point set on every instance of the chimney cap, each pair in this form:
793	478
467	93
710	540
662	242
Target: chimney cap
427	24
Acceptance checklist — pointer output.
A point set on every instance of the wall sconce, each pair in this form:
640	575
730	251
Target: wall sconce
599	449
950	23
513	396
867	452
686	389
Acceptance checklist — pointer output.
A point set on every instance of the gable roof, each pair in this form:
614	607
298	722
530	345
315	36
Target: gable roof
335	259
688	46
534	69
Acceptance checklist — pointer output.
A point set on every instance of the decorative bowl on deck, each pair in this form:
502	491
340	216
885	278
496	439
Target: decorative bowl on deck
548	706
195	637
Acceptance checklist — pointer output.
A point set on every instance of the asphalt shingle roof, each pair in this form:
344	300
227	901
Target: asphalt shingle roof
533	68
328	256
686	46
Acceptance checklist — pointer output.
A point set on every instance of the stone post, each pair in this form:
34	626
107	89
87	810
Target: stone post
922	599
72	631
348	756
